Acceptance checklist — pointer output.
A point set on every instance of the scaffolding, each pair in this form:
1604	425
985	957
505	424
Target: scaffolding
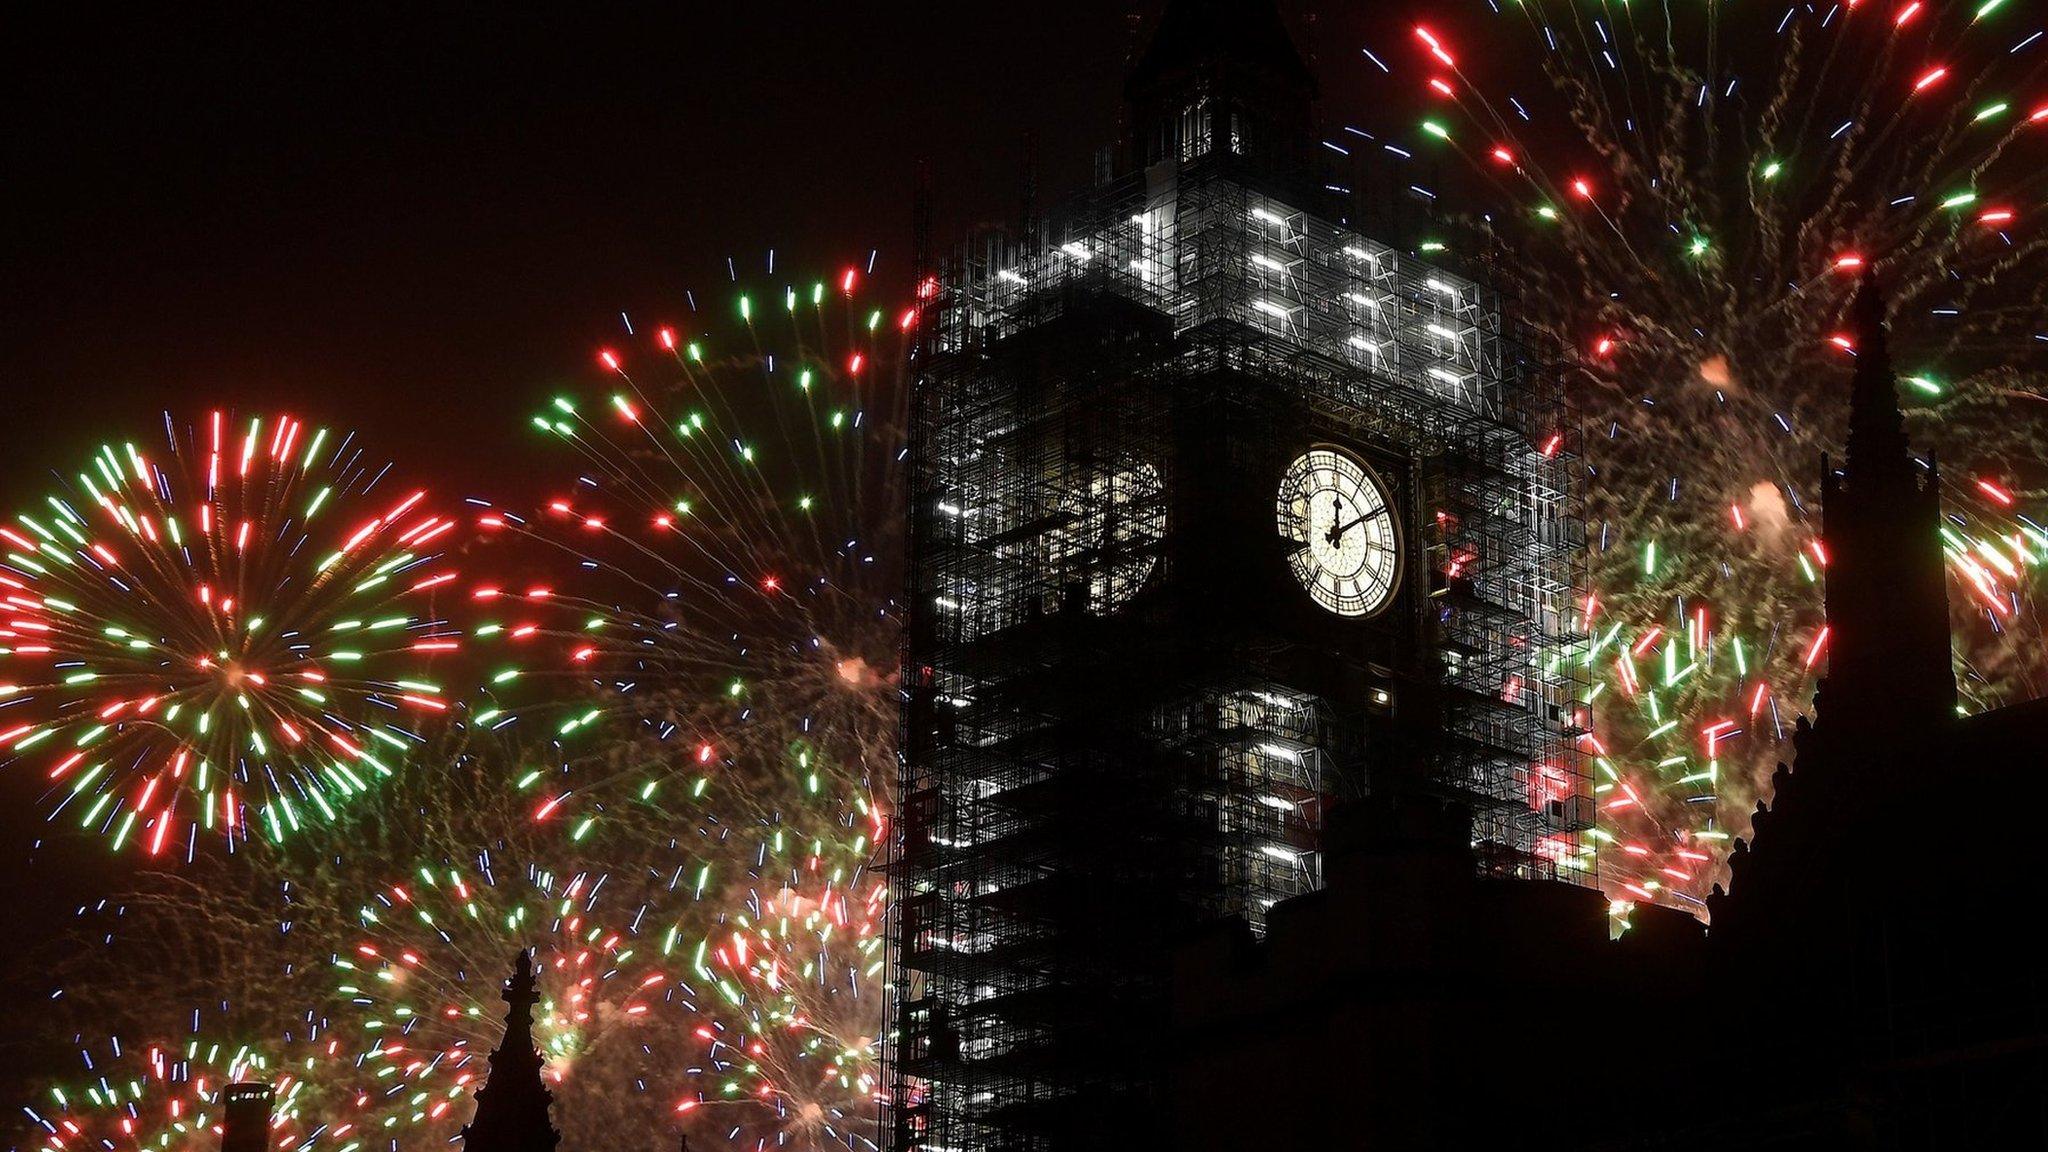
1116	727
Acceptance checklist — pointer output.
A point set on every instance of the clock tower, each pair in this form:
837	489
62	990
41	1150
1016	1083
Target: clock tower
1222	511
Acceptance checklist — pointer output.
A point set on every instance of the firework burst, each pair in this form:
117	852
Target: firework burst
707	964
679	820
434	949
734	532
232	636
702	971
791	1057
165	1096
1691	198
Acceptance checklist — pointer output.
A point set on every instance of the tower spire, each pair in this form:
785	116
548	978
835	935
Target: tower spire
1877	456
512	1106
1887	593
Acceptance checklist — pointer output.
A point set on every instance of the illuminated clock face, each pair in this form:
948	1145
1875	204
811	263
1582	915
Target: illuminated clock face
1109	542
1340	519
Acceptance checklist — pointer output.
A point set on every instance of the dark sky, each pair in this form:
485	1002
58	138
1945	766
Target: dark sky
413	219
408	218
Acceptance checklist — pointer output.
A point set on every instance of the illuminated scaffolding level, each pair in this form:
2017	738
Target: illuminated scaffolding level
1124	716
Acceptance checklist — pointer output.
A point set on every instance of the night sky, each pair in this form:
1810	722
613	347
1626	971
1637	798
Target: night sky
413	220
410	221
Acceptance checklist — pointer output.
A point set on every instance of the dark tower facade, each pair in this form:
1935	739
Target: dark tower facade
512	1106
1887	592
1221	510
245	1125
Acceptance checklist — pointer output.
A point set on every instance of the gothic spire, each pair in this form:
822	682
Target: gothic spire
1877	456
1887	594
512	1106
520	995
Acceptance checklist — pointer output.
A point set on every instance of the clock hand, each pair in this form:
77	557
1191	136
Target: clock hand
1337	531
1336	514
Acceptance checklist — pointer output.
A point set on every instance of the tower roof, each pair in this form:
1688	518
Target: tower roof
1216	35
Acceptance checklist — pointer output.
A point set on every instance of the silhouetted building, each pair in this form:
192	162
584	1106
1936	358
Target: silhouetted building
245	1120
1418	1002
1873	925
1870	978
512	1106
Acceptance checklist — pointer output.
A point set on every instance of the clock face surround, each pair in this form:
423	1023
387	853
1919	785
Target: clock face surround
1339	516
